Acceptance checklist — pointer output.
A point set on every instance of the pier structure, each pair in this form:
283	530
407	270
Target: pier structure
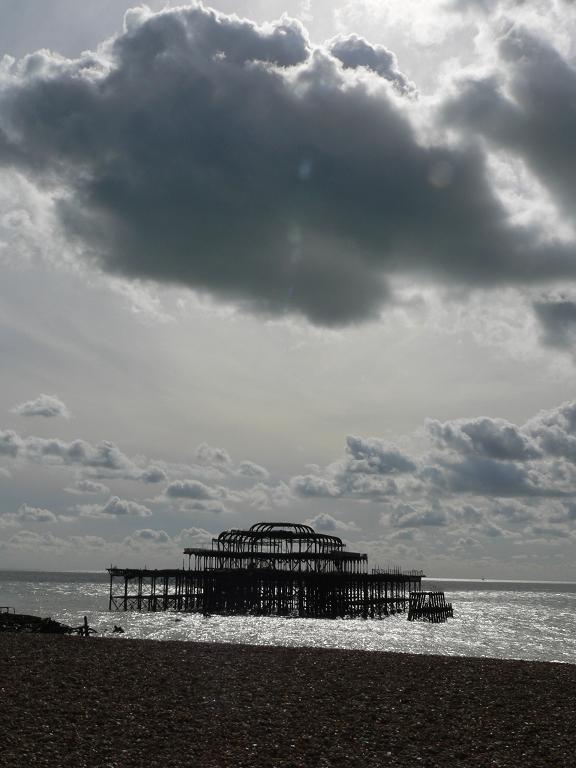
429	606
271	569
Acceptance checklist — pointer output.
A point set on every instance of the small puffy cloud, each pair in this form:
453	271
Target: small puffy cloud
10	443
115	507
325	523
194	537
190	489
375	456
209	456
152	475
47	406
251	470
312	486
148	540
262	496
28	514
87	487
104	457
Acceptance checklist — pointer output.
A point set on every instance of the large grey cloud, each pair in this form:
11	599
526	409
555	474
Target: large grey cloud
526	109
483	476
203	150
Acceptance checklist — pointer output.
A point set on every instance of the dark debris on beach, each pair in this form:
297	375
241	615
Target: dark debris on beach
116	703
20	622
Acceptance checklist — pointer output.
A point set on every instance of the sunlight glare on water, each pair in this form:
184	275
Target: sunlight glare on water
501	620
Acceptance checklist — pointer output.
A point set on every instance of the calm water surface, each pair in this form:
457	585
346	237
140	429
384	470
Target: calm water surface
511	620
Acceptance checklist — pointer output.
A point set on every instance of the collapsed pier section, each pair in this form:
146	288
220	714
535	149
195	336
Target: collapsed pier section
271	569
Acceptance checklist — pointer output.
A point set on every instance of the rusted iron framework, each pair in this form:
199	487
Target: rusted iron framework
282	569
429	606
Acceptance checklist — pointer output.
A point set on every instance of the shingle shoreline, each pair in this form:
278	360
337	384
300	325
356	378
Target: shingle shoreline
116	703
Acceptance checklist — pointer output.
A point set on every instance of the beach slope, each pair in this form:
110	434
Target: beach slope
116	703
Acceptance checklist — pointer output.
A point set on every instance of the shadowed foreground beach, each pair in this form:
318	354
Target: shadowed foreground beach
115	703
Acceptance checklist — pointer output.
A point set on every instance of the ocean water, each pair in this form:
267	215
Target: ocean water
500	619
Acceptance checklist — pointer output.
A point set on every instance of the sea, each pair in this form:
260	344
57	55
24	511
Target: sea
498	619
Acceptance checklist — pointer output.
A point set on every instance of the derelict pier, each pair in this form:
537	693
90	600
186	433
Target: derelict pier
272	569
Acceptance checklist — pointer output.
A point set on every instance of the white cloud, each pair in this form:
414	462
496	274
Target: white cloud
87	487
47	406
115	507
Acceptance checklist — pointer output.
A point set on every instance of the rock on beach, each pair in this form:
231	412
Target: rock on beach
117	703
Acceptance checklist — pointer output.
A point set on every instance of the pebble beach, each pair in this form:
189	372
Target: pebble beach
118	703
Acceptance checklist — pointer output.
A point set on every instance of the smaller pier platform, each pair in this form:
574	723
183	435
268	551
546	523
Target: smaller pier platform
429	606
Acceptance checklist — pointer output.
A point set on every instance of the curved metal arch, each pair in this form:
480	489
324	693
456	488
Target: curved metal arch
299	527
279	537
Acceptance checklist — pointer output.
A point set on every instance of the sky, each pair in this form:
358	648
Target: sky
289	260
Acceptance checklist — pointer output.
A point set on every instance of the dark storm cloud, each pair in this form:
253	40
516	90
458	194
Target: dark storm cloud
557	319
202	150
355	52
530	113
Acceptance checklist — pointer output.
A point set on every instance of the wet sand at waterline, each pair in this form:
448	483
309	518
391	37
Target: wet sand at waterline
117	703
